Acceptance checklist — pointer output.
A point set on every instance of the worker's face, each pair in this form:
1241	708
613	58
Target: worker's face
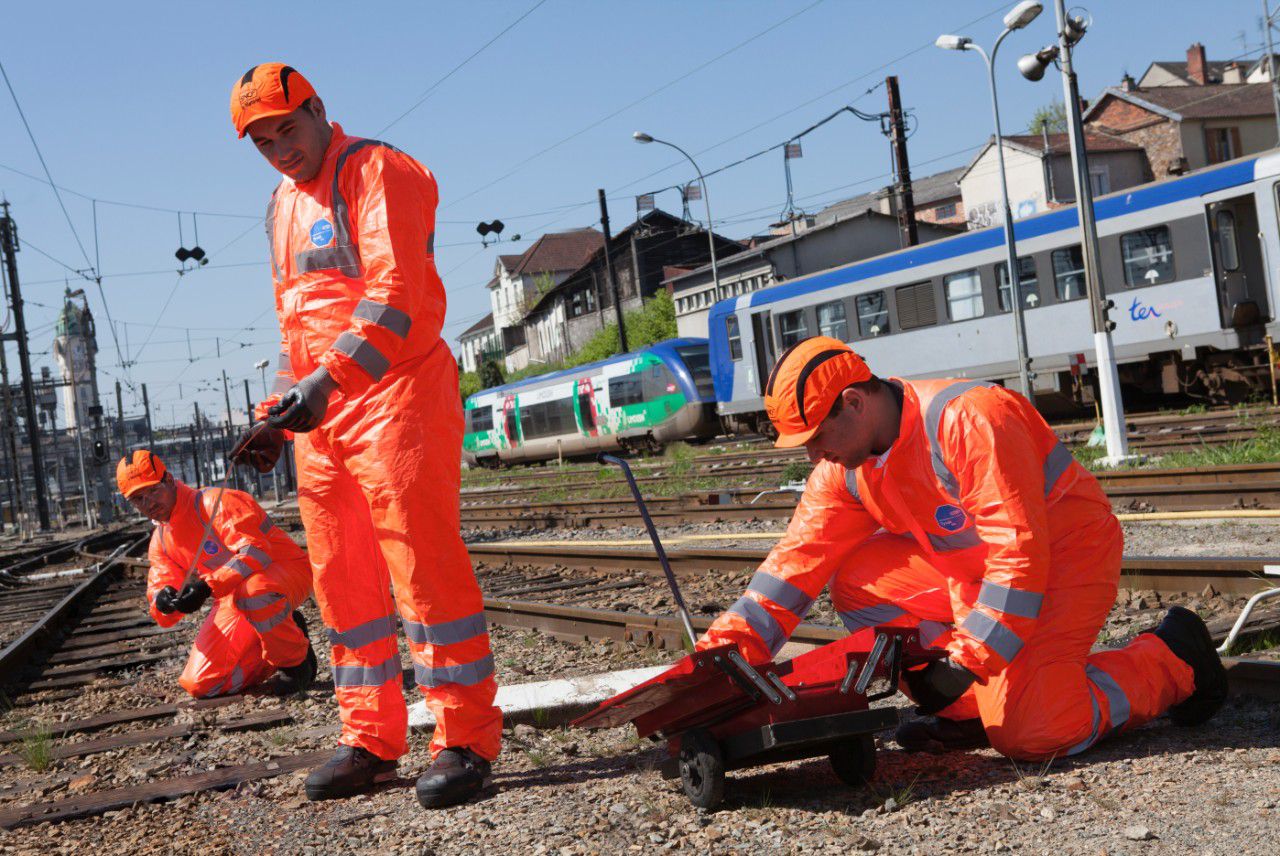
294	143
157	501
848	437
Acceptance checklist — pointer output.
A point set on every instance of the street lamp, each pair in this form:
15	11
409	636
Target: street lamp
261	365
1032	67
1017	18
642	137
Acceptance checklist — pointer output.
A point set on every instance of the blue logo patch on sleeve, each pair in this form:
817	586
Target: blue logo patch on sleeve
210	547
949	517
321	233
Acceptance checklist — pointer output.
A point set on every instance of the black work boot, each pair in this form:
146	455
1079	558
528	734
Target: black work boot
1189	640
299	678
351	770
456	775
937	734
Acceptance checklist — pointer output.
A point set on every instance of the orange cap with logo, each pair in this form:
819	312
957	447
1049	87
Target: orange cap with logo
804	384
141	470
269	89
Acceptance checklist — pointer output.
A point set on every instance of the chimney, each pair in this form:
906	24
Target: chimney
1196	64
1233	73
1127	83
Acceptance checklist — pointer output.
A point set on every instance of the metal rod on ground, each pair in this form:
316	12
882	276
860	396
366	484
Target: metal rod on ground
657	544
608	268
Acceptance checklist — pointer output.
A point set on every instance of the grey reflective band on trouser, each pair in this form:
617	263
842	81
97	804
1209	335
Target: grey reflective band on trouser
759	620
446	633
366	355
869	616
1117	703
962	540
932	423
339	202
1055	465
851	482
931	630
466	674
782	593
993	634
231	685
364	634
1010	601
384	316
269	624
259	600
368	676
343	258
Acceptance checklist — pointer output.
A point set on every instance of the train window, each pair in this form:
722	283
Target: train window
735	337
1028	287
628	389
548	419
656	382
698	361
873	313
1068	273
1147	256
915	305
832	320
1225	221
964	295
480	419
791	328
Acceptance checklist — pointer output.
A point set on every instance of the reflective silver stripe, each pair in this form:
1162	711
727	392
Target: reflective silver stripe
870	616
1117	701
340	257
466	674
931	630
993	634
240	568
1093	735
284	373
237	680
270	623
340	214
252	552
759	620
270	222
366	355
962	540
368	676
1010	601
851	482
933	421
265	526
448	633
259	601
1055	465
365	634
782	593
393	319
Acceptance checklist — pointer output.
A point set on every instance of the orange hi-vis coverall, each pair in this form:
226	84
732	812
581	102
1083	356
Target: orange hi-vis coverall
378	481
976	517
255	572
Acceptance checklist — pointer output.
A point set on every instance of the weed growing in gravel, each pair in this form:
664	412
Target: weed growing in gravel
1262	642
679	459
900	794
796	471
529	640
537	758
1029	781
37	748
541	717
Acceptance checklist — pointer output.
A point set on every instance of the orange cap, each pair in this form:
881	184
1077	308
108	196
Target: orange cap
804	384
270	89
142	470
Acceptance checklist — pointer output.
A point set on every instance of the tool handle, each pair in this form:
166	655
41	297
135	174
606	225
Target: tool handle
217	504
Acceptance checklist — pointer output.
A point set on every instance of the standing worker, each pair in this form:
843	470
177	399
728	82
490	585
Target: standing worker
950	505
250	566
370	392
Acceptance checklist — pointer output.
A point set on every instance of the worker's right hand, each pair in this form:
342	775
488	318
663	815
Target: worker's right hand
193	596
167	600
259	447
303	407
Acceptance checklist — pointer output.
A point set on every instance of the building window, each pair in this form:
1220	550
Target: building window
832	321
1147	256
1068	273
1100	179
873	313
735	338
791	327
1221	144
1028	287
943	212
964	295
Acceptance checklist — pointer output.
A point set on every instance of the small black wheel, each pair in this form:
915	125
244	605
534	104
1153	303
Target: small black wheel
701	768
854	760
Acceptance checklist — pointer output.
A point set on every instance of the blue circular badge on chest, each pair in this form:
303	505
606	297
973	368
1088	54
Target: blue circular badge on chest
949	517
210	547
321	233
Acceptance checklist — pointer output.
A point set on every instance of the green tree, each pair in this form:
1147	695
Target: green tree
1051	117
469	384
490	374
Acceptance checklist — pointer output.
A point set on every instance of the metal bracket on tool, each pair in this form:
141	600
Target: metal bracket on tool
894	662
868	667
754	677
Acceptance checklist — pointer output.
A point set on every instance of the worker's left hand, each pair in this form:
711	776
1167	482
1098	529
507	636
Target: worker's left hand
302	408
193	596
938	685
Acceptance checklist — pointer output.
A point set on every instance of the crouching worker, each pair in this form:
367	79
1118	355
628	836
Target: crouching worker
256	574
949	505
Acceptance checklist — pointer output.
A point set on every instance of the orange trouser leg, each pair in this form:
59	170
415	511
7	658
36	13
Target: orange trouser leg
267	600
888	582
226	656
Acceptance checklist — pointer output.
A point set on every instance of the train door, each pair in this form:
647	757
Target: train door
510	424
762	332
1237	262
587	407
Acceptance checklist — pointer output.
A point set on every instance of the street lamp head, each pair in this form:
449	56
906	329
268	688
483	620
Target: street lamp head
1022	14
641	137
1032	66
261	364
953	43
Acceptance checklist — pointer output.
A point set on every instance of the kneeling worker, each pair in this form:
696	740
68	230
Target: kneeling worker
950	505
253	569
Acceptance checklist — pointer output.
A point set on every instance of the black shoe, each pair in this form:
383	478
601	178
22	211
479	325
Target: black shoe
1188	638
300	620
938	734
351	770
299	678
454	777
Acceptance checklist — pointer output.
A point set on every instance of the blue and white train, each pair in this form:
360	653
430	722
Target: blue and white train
1190	263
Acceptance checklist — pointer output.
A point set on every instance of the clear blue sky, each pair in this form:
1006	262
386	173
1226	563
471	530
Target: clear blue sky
129	103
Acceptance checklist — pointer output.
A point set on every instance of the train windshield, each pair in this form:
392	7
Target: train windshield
699	364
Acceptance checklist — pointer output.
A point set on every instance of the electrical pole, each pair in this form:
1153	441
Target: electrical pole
9	245
146	405
608	268
909	236
124	440
10	441
195	445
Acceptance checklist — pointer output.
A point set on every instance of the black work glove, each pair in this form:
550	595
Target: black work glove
259	447
167	600
302	408
193	596
938	684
